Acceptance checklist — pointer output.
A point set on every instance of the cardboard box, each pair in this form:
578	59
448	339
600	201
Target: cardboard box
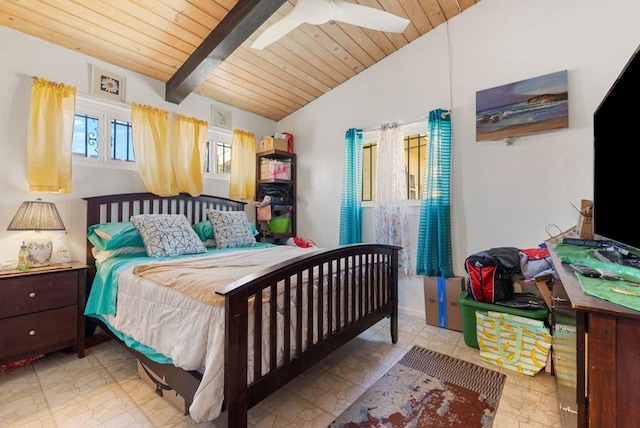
169	395
269	143
441	301
585	220
544	288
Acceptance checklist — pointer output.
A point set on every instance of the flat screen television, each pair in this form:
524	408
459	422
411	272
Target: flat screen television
616	128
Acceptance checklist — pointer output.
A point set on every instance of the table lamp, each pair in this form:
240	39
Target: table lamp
38	216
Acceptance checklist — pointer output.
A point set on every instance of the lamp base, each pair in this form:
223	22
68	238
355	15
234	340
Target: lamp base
39	252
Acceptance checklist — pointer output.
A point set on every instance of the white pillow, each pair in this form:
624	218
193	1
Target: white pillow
104	255
231	229
209	243
167	235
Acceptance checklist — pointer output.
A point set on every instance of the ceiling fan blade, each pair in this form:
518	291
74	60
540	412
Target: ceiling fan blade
276	31
317	12
368	17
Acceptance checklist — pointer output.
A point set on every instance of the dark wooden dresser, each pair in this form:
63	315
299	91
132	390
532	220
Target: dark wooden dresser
42	310
596	356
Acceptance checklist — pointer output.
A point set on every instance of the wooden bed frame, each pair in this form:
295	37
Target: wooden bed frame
359	300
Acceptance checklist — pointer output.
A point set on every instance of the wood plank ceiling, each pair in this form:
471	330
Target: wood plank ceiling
156	37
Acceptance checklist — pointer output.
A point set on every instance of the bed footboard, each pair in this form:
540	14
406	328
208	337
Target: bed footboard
323	300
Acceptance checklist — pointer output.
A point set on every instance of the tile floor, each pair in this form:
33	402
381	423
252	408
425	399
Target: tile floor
104	390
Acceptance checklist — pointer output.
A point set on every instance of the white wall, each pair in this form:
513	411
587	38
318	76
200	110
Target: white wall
22	57
503	195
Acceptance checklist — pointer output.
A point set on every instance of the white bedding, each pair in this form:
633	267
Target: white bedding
186	330
183	329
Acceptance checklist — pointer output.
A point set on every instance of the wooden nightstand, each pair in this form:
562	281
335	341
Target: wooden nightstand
42	310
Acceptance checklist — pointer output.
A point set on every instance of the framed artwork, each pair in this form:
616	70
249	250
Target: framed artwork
108	85
221	118
526	107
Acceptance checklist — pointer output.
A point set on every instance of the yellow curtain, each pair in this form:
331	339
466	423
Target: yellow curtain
243	169
188	153
152	149
50	136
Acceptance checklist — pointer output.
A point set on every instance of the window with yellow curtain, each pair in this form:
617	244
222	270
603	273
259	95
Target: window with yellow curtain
188	153
169	153
242	183
50	136
152	149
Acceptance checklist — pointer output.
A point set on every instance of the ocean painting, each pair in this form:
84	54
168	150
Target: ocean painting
530	106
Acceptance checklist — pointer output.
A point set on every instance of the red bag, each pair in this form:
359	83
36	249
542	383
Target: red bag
289	141
489	281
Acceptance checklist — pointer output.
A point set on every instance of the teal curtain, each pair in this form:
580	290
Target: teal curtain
351	202
434	231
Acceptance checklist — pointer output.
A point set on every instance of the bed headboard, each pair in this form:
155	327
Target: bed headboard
115	208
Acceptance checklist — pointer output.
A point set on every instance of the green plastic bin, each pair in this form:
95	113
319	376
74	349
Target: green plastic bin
469	306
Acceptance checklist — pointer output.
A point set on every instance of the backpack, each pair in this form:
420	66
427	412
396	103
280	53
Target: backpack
490	274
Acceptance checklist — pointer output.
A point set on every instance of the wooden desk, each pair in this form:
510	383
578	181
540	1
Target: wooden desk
596	351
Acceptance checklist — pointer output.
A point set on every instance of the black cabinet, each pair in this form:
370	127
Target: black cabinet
276	180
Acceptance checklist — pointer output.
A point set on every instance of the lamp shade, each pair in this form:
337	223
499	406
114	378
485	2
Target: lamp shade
37	215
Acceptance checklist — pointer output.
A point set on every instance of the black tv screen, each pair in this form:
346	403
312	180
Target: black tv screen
616	127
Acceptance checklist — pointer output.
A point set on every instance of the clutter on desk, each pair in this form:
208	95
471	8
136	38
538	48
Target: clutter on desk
599	277
492	273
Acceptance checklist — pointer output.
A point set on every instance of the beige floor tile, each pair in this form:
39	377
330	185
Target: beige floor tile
22	402
22	398
103	389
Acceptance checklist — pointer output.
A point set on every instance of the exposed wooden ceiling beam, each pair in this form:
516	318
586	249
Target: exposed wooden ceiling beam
241	21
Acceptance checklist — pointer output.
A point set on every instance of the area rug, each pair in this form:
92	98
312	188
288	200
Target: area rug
428	389
6	368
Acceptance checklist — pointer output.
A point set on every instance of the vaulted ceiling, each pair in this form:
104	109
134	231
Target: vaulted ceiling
204	46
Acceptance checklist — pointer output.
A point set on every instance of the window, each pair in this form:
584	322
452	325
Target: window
415	148
207	157
369	157
121	141
103	135
223	158
217	154
85	136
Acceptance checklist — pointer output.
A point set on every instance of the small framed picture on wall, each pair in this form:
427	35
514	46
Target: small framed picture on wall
107	84
221	118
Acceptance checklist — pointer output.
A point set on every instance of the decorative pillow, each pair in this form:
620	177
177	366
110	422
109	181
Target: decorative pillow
204	229
231	229
167	235
111	236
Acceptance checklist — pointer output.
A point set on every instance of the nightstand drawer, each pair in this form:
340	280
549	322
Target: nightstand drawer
38	292
32	332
